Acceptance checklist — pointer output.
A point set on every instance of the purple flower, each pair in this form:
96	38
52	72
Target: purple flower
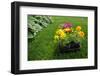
67	25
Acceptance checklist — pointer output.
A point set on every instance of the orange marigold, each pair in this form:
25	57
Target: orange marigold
81	33
78	28
68	30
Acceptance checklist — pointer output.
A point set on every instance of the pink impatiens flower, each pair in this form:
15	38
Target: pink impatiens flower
67	25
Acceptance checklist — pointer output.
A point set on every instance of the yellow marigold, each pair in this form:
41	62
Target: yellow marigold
56	37
78	28
62	35
68	30
81	33
59	31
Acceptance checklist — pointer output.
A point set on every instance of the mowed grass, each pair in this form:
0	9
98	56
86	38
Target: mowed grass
42	47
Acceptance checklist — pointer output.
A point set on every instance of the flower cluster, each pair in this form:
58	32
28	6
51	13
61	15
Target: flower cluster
81	33
67	31
60	34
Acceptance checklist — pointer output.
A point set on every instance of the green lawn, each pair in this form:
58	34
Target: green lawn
42	47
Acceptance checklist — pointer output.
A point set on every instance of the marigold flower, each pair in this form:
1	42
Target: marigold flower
59	31
81	33
68	30
78	28
62	35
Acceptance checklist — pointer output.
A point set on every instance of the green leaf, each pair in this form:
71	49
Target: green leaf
37	23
